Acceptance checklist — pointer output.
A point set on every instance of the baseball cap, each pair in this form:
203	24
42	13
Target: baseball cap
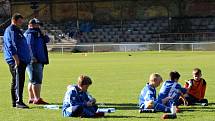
35	21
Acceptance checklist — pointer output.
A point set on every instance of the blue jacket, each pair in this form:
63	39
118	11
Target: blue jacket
37	43
14	43
75	97
148	93
172	89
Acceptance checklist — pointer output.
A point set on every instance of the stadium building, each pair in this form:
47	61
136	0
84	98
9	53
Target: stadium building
118	21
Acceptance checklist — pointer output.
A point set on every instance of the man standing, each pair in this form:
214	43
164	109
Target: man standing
39	56
16	54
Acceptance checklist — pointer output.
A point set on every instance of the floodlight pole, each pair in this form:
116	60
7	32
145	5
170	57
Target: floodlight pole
51	10
77	14
121	20
34	6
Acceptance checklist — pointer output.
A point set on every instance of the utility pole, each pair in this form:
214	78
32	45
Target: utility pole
34	6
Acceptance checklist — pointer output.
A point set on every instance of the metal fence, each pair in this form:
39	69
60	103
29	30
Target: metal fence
131	47
192	36
125	47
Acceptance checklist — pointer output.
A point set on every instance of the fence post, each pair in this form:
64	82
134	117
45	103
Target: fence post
62	49
192	47
159	47
93	48
125	49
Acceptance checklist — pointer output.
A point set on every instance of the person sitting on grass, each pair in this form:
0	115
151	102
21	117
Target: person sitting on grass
147	98
196	89
77	102
171	90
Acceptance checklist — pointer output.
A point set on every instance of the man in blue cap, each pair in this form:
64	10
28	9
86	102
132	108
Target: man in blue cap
39	56
17	56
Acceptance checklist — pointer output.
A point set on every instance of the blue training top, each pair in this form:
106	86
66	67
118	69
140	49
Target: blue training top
74	97
36	41
14	43
172	89
147	93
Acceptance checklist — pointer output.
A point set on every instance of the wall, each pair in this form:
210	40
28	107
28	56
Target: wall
115	10
200	9
27	12
99	11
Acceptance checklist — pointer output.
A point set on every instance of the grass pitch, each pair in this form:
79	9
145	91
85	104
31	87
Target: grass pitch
117	81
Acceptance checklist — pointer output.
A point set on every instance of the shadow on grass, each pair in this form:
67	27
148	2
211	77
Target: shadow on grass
134	106
210	104
56	104
209	108
42	106
126	117
119	106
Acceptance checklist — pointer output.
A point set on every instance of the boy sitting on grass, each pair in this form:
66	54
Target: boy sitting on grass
147	98
77	102
171	90
196	89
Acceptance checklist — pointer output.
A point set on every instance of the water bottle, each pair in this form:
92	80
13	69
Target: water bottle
173	108
106	110
147	111
112	110
52	107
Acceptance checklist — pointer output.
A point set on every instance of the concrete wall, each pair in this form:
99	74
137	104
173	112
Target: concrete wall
4	8
200	9
110	11
99	11
27	12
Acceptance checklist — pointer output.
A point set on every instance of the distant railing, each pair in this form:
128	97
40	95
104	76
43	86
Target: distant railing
128	47
196	36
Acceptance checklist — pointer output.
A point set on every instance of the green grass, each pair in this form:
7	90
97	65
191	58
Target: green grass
117	82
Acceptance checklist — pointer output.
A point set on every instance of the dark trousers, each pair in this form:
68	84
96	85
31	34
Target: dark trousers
78	111
86	112
17	84
192	100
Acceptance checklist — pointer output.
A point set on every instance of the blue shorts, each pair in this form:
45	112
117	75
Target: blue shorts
35	73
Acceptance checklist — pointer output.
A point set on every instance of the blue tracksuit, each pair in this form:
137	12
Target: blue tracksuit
15	44
148	93
171	89
37	42
74	98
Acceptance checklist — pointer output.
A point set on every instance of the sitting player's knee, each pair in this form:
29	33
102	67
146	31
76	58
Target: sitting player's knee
78	111
150	104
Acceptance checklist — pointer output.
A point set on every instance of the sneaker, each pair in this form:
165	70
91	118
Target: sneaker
21	105
40	102
169	116
99	114
30	101
204	104
14	105
178	110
